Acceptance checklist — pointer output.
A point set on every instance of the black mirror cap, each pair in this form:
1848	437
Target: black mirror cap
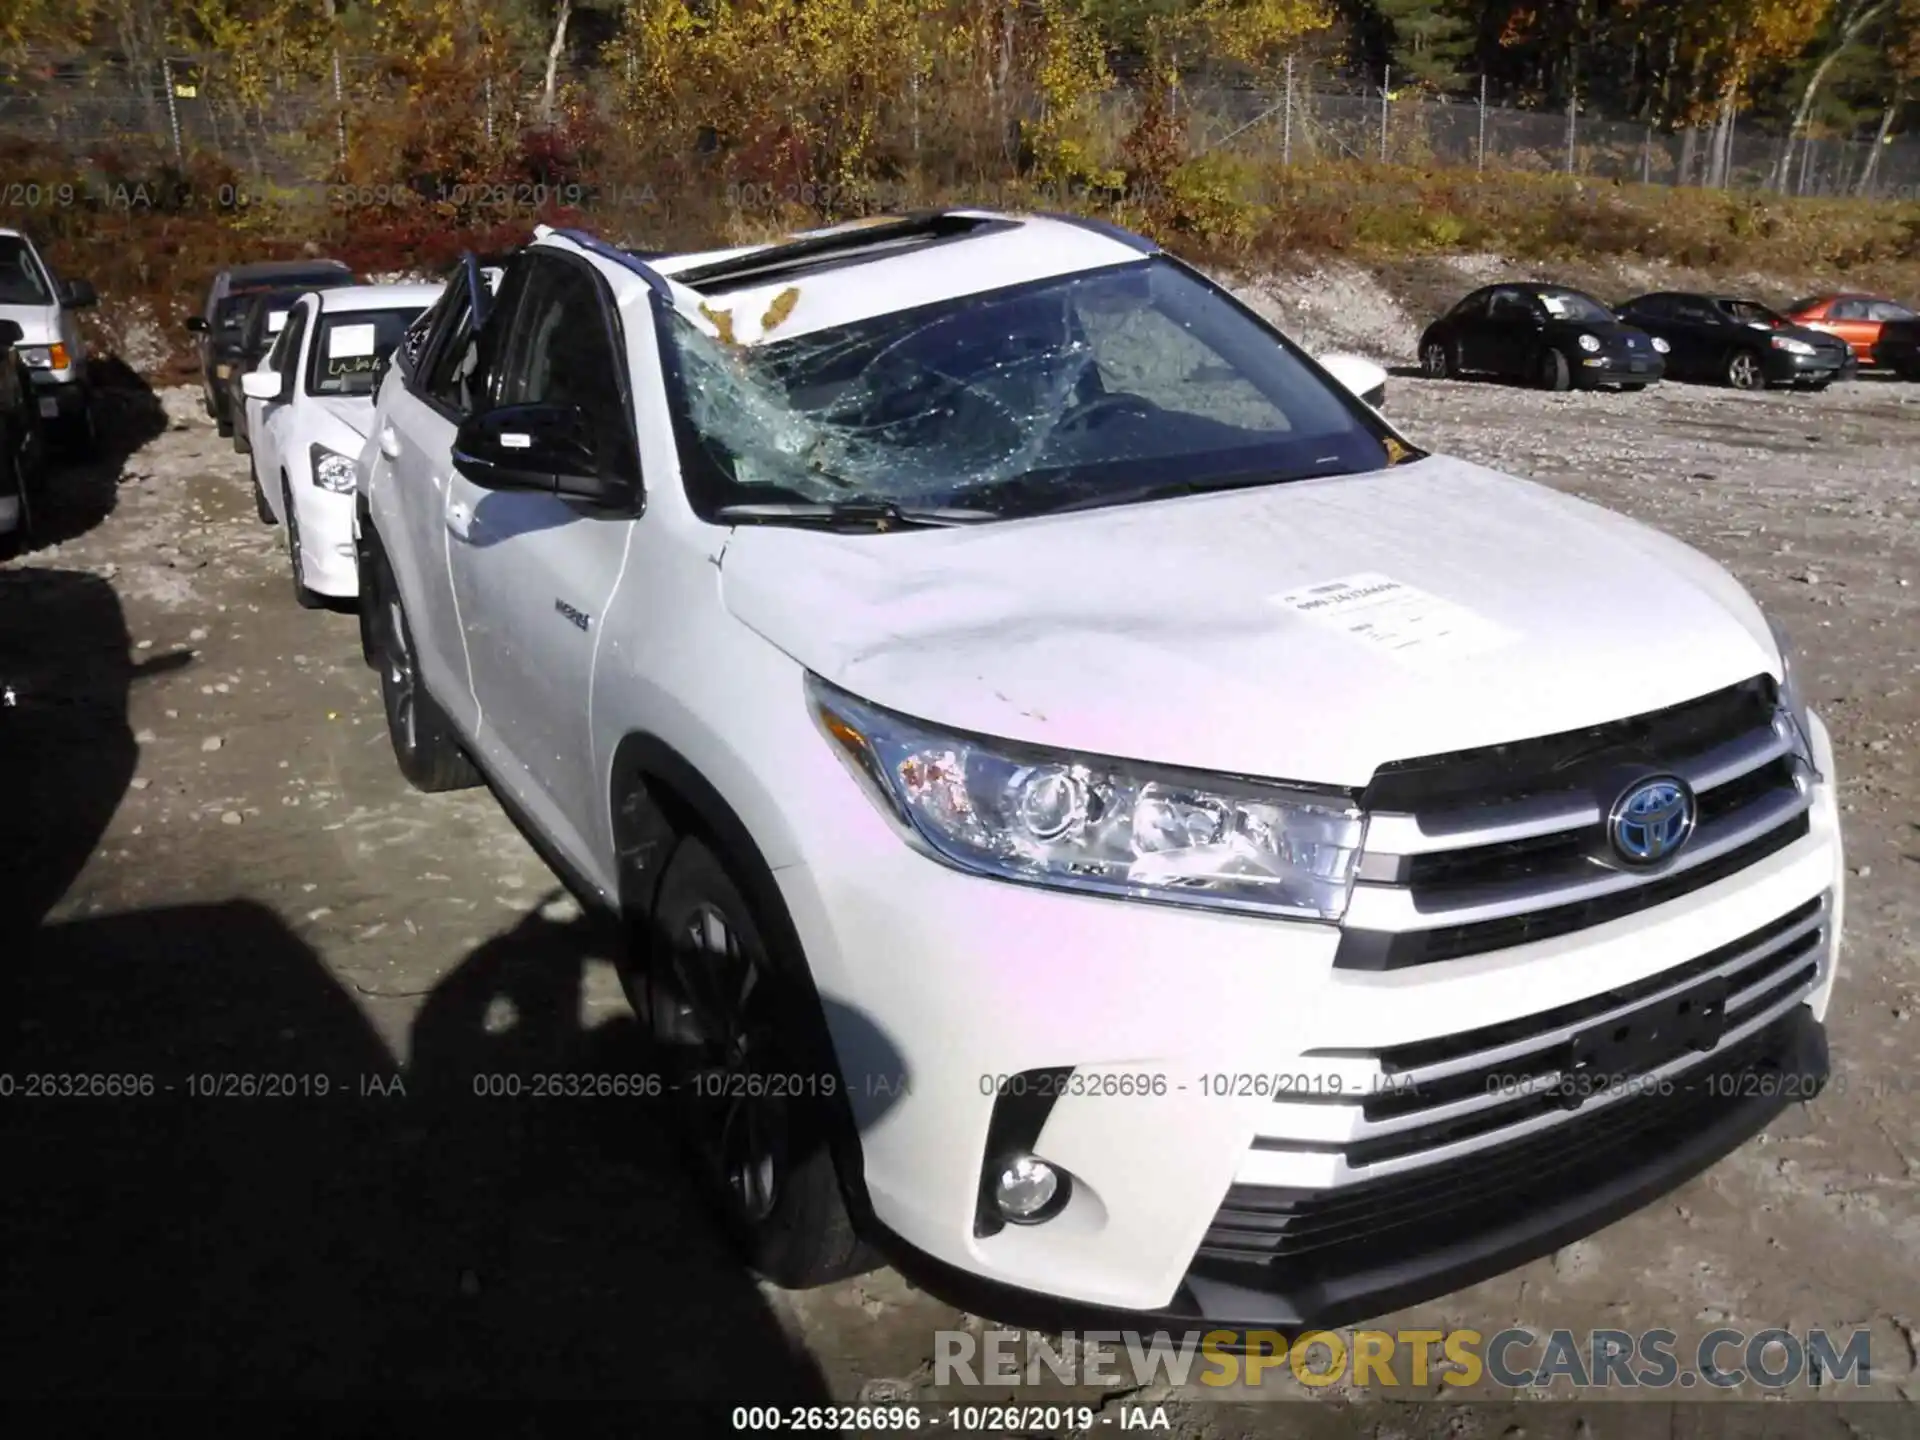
547	449
79	295
197	323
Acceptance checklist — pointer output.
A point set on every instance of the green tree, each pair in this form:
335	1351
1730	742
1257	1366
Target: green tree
1432	42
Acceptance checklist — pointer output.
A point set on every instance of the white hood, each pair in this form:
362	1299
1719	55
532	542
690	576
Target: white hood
353	411
1159	632
39	324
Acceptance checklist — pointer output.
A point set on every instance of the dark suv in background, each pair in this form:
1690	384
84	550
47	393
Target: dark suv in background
222	317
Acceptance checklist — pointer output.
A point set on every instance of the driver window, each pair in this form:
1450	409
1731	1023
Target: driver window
558	351
1510	305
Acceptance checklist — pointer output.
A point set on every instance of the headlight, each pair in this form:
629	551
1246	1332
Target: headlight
44	357
1111	827
1791	345
334	471
1791	700
1590	344
1662	346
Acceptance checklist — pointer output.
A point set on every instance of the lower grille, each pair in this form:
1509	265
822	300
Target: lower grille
1483	1087
1375	1224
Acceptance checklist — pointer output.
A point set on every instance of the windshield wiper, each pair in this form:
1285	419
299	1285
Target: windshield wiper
1163	490
852	515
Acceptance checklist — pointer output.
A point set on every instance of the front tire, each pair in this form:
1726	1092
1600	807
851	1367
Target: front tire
260	505
1555	374
424	744
747	1104
1745	372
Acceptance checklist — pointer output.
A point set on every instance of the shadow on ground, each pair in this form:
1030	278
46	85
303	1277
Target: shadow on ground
326	1222
73	493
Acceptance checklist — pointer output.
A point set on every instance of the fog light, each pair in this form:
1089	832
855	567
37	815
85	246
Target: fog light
1026	1189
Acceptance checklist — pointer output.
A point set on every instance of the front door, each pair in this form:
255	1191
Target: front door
533	573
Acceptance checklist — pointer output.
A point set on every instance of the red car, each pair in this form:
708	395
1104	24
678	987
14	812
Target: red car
1884	334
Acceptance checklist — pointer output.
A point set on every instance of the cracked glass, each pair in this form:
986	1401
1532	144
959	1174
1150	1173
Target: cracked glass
1013	402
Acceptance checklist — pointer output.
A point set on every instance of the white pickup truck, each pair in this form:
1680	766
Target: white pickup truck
1104	819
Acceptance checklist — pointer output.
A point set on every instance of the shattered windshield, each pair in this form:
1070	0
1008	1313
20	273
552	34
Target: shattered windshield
1016	401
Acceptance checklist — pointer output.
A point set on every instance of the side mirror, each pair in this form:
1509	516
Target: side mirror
79	295
196	323
545	448
260	384
10	334
1364	378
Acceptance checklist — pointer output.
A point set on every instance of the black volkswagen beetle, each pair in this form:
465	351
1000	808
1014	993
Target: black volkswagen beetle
1742	343
1557	338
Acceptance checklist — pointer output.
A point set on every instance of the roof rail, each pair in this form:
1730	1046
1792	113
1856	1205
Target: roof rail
1118	234
627	259
772	259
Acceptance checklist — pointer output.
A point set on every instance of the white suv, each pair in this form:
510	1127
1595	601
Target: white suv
1100	813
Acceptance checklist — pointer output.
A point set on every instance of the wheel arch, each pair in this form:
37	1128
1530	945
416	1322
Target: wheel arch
657	798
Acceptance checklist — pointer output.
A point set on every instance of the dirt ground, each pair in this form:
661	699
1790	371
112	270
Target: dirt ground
235	880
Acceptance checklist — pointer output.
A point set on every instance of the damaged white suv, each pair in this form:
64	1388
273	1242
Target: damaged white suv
1101	815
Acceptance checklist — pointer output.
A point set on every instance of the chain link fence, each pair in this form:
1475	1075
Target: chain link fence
192	104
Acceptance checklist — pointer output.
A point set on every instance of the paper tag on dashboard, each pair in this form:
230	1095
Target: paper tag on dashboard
350	342
1407	624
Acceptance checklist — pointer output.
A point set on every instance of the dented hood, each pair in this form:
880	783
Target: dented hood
1310	631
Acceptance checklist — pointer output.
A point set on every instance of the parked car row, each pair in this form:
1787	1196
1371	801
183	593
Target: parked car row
824	612
1560	339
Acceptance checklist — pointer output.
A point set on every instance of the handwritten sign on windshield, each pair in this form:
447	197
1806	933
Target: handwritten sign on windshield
351	349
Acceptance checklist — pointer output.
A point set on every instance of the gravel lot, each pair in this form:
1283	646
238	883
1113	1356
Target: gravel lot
236	879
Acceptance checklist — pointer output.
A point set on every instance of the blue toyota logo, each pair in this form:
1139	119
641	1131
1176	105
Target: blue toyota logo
1652	820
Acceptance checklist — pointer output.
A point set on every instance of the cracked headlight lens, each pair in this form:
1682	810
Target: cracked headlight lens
1111	827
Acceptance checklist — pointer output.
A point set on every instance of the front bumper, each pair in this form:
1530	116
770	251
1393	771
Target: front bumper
938	984
1782	368
329	559
1593	372
1457	1227
57	394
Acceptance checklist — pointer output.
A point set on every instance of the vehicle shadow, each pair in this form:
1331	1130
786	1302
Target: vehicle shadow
223	1182
66	669
74	493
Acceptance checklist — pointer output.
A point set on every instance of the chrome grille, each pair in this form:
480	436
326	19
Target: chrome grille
1418	1104
1488	849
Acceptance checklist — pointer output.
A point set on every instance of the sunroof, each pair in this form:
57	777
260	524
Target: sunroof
821	251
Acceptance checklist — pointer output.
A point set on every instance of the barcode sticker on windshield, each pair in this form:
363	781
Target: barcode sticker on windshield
1406	623
346	342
